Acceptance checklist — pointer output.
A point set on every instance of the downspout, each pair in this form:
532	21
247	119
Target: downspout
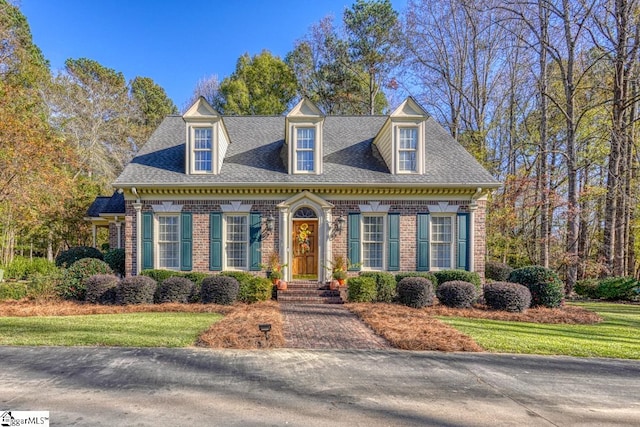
473	206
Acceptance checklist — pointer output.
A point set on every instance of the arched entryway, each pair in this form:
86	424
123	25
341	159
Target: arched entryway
304	244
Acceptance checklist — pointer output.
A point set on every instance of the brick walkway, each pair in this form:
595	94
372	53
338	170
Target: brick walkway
327	326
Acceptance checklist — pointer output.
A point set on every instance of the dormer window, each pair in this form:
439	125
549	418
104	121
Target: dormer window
407	149
202	149
303	140
206	139
305	149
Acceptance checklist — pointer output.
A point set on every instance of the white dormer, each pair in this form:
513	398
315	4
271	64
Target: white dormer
303	139
206	139
401	139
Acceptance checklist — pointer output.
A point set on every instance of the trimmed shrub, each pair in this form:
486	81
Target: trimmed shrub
13	290
101	289
67	258
45	286
459	275
72	285
174	289
136	290
115	259
22	268
219	290
255	289
587	288
457	294
544	284
160	275
385	285
425	274
362	289
497	271
197	279
507	296
416	292
619	288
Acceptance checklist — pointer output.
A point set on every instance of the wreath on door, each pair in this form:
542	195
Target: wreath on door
303	238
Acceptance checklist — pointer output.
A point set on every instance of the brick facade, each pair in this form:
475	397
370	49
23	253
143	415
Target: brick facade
408	209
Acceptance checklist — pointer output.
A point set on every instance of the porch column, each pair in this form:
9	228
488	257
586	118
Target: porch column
473	206
119	234
94	232
325	254
138	207
285	239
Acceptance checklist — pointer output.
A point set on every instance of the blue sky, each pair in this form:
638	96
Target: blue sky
174	42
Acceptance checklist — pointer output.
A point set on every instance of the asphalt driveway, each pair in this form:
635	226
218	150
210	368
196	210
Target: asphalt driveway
112	386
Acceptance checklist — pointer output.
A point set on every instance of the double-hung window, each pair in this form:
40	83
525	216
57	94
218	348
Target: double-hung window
407	149
373	242
169	242
202	149
441	242
305	149
237	241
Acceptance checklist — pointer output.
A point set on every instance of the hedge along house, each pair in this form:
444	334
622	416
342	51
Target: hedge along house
390	193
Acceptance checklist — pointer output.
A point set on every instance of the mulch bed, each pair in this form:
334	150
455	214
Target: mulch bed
418	329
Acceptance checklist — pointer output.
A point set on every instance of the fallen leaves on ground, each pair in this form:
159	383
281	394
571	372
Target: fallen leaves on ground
567	314
412	329
239	328
25	308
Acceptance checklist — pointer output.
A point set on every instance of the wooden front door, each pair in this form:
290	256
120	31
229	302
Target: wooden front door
305	248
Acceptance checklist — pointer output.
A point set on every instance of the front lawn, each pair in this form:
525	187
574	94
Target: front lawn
617	336
123	330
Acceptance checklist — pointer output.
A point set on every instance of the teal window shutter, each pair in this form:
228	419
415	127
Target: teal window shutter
422	243
462	262
186	237
147	240
255	241
353	245
394	242
215	241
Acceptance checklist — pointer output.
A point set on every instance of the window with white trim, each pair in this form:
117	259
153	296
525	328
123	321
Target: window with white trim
169	242
237	241
441	240
407	149
202	149
305	149
373	242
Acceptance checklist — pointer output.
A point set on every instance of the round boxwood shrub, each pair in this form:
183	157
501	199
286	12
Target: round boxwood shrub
255	289
459	275
507	296
73	284
174	289
101	289
362	289
457	294
432	278
415	292
115	259
497	271
544	284
69	257
219	290
136	290
385	285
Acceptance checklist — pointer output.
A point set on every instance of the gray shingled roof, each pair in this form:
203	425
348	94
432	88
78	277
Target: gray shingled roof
107	205
254	156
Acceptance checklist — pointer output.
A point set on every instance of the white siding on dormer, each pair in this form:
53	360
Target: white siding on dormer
223	144
384	142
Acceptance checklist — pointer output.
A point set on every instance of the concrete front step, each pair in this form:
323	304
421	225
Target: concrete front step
309	292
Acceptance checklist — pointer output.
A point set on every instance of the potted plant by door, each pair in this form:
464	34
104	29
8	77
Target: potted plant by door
340	276
274	270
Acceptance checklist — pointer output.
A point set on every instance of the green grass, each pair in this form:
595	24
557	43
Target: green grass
617	336
121	330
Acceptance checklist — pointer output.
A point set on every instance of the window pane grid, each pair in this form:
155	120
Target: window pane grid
168	242
372	241
237	241
202	149
441	241
305	147
407	144
202	139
